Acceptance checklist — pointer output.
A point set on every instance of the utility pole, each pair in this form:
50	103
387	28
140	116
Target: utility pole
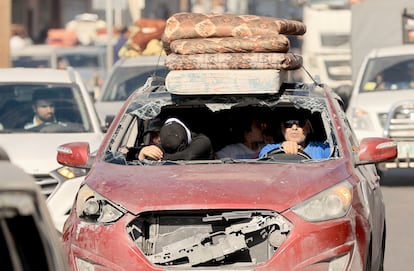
5	21
109	14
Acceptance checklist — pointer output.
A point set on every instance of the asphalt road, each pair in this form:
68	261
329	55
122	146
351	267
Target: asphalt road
398	191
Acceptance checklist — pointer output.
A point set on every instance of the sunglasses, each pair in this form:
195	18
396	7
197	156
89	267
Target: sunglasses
290	123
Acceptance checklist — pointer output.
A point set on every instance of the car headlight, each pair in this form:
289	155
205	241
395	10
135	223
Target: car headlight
360	119
329	204
67	173
94	208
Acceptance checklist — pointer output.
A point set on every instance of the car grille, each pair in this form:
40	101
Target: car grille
195	238
400	122
47	184
382	117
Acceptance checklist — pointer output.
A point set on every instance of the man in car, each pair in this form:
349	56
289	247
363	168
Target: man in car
152	150
295	132
176	142
43	107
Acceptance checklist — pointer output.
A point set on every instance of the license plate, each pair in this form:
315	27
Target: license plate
405	149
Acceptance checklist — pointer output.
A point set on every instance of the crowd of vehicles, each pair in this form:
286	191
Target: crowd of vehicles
218	213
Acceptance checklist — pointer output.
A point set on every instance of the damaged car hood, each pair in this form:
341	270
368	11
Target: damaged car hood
267	186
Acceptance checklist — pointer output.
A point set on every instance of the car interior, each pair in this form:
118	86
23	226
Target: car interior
223	126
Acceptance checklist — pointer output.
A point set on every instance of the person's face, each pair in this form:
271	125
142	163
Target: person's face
256	133
155	138
295	130
44	110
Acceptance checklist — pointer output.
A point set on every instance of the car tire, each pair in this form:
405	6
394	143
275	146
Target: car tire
368	258
382	257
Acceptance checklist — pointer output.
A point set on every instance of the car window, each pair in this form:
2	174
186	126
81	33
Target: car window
81	60
125	80
217	120
17	112
31	61
388	73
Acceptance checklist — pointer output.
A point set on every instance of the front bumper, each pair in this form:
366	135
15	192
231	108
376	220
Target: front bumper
309	246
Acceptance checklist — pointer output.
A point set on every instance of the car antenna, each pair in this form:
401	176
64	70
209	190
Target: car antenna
158	64
316	80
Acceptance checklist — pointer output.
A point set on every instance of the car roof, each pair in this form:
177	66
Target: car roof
407	49
141	61
35	75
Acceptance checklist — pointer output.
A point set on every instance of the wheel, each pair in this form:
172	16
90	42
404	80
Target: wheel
384	235
279	154
368	258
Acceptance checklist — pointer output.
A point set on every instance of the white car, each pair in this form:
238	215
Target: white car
386	78
34	150
126	75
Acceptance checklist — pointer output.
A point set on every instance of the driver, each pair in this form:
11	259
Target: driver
43	107
295	132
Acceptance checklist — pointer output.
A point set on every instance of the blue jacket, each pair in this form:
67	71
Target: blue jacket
316	150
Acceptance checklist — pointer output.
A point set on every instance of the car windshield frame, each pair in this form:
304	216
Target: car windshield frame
142	109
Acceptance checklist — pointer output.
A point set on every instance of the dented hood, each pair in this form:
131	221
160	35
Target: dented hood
262	186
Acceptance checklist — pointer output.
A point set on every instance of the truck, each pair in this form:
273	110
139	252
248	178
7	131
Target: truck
379	23
326	48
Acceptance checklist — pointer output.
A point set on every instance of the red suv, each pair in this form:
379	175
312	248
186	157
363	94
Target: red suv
277	212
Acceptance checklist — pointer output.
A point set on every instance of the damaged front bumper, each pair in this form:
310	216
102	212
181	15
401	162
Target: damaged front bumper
213	240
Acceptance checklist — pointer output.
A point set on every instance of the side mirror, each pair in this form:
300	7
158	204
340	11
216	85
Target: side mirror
377	149
74	154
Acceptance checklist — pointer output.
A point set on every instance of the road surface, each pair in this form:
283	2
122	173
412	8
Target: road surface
398	191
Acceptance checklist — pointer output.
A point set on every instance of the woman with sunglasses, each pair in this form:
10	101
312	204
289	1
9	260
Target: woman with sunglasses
295	132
